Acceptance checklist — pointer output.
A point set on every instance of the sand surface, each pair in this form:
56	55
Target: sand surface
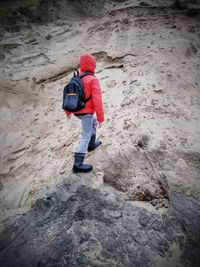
148	64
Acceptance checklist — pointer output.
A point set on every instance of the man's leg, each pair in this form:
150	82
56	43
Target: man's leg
87	128
87	122
93	143
94	125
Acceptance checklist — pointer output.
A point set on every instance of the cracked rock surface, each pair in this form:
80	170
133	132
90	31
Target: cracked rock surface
76	225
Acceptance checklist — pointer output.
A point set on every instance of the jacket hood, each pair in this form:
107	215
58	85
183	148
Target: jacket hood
87	63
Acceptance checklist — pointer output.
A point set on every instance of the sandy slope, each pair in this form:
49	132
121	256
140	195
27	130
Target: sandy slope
148	66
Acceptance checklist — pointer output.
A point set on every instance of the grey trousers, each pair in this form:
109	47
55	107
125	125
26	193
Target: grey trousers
89	127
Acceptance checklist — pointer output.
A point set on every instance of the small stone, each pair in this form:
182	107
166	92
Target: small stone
158	90
144	4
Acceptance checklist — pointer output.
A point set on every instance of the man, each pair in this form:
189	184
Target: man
87	116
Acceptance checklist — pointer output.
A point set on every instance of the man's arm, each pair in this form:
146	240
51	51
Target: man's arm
97	100
68	114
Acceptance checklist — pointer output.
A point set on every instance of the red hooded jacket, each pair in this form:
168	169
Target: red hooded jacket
91	88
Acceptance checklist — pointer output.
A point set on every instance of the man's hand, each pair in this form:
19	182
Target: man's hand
68	116
100	124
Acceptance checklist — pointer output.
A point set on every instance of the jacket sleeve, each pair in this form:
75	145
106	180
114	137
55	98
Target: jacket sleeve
97	99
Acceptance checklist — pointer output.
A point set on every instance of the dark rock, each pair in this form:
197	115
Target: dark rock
144	4
22	13
186	212
193	49
192	12
76	225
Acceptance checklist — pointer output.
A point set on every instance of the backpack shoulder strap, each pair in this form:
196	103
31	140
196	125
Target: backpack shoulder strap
90	97
85	74
81	76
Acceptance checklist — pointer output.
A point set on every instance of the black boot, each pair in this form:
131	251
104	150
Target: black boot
78	164
93	143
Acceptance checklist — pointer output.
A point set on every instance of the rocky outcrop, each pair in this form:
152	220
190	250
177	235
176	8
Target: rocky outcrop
49	11
65	9
25	12
76	225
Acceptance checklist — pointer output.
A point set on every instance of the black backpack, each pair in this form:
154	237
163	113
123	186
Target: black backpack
73	94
